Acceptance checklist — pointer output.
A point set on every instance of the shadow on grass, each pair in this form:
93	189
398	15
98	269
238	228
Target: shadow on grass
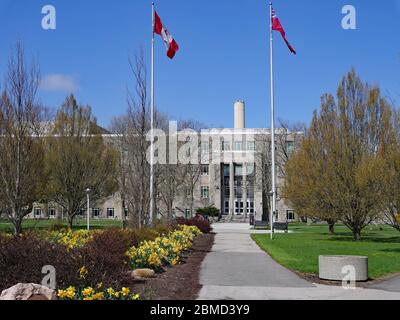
371	238
392	250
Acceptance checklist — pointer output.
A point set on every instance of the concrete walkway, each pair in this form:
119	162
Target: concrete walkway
392	284
237	269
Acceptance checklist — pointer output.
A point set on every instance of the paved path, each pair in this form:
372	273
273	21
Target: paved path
237	269
392	284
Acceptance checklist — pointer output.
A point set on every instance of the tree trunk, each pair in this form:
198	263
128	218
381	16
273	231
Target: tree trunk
357	235
331	227
70	222
18	227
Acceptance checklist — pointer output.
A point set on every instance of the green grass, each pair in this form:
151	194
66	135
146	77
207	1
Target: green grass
31	224
299	251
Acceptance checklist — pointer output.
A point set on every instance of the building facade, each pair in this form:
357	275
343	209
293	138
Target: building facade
233	177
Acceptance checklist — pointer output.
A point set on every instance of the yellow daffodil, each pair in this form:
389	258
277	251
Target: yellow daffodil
125	291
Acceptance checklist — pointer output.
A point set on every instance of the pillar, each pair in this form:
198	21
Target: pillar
232	189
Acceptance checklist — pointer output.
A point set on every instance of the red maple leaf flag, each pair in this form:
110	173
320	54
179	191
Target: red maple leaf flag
277	26
172	46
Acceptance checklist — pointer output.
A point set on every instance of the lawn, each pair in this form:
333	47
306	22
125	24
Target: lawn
31	224
299	251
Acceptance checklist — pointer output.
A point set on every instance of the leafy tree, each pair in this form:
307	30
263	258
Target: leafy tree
21	163
78	158
389	170
334	176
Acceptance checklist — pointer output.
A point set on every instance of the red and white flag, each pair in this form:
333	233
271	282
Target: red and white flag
277	26
172	46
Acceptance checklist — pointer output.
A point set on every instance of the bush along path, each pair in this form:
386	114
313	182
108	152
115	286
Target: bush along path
99	265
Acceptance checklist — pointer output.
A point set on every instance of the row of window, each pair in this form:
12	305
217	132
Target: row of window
238	146
38	212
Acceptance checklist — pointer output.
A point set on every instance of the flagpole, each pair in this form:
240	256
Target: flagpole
273	173
152	122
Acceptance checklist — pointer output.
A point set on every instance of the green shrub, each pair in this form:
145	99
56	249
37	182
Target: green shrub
210	211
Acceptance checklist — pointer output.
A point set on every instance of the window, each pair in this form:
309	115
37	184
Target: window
227	191
226	207
187	213
290	147
227	170
205	147
37	212
226	145
238	170
290	215
205	170
250	168
110	213
52	212
81	212
96	212
251	146
205	192
238	146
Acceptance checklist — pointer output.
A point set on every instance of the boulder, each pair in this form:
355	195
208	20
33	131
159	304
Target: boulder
28	291
142	274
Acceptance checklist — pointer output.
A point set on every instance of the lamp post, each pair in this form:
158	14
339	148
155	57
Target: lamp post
88	208
272	214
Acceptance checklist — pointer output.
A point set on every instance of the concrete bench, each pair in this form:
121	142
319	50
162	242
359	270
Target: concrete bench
335	268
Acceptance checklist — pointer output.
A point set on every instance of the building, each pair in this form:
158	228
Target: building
233	176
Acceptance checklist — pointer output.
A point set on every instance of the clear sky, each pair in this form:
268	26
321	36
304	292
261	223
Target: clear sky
224	53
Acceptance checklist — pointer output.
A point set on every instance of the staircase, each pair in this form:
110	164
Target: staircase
236	219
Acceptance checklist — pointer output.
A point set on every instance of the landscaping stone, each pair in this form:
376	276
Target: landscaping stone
332	267
31	291
142	274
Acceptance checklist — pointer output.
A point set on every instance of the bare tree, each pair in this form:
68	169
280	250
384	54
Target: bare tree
288	139
192	171
22	177
132	129
78	159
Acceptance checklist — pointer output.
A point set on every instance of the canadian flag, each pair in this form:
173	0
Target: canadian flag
172	46
277	26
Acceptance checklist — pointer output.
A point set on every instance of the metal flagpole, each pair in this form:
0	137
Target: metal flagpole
273	210
152	122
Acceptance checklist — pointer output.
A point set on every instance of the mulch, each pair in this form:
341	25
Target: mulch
181	282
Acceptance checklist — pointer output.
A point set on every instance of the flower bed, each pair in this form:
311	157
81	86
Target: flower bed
163	251
70	239
107	257
91	294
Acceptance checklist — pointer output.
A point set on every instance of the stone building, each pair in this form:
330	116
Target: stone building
232	176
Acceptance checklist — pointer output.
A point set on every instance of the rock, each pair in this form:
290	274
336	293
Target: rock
142	274
31	291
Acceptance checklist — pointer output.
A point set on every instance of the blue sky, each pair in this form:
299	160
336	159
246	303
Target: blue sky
224	53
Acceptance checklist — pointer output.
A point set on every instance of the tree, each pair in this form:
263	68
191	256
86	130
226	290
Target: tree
78	159
334	175
22	178
192	170
390	176
292	133
132	129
